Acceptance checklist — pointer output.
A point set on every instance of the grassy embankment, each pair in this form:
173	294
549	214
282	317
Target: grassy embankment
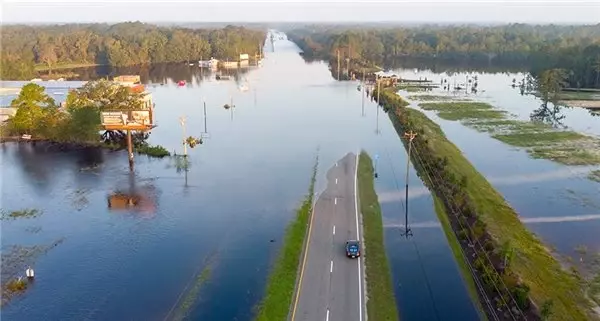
282	280
532	264
380	304
539	139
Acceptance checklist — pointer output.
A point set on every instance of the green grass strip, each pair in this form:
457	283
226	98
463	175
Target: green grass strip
381	304
275	305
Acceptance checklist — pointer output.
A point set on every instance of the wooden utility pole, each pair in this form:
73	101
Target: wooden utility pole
362	87
410	136
378	88
338	64
182	122
348	63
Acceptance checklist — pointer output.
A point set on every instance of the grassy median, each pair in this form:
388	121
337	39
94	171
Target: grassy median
275	305
381	304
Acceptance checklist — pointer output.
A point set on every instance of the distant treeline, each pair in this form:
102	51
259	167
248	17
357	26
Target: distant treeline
123	44
575	48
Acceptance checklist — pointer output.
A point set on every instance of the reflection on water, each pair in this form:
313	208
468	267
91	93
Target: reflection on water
160	73
549	115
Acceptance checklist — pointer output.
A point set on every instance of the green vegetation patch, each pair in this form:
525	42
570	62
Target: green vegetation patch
282	281
26	213
436	98
154	151
595	176
14	260
532	139
541	140
532	263
381	304
464	110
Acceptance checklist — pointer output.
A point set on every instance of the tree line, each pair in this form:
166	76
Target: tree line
78	123
574	48
122	44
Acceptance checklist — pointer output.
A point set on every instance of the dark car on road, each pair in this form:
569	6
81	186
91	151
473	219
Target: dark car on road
352	249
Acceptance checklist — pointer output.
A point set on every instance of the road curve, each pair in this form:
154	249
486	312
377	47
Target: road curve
331	286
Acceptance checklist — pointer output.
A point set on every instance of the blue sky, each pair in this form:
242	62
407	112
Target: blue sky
548	11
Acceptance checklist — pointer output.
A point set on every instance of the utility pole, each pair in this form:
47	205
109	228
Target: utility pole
338	64
410	136
182	122
378	88
231	106
205	130
348	62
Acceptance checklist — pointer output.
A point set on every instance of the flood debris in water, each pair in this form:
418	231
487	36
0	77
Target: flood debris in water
25	213
595	176
14	261
541	139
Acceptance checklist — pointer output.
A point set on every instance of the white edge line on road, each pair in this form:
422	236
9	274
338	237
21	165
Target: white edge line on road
334	230
336	181
358	238
335	201
327	317
331	267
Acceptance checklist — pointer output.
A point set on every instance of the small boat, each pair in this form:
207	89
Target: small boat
181	83
243	87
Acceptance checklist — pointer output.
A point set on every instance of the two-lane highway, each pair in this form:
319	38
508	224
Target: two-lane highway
331	286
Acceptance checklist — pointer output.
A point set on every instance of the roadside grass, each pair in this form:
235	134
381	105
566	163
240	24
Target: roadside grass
458	255
595	176
532	262
539	139
380	304
282	280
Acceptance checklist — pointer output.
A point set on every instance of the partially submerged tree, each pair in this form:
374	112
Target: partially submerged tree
30	105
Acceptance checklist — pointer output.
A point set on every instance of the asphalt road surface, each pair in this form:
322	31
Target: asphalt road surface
331	285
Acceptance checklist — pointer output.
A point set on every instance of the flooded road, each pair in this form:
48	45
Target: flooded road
229	215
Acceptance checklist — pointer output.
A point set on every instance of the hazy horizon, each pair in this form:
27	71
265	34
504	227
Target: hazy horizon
398	12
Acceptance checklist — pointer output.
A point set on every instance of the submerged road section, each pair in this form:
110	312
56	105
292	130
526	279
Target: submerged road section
331	285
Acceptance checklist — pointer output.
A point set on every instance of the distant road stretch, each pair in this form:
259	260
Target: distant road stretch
331	286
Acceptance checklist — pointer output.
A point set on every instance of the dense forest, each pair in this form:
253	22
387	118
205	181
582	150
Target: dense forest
123	44
574	48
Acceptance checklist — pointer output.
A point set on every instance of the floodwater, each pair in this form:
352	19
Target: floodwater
559	203
227	214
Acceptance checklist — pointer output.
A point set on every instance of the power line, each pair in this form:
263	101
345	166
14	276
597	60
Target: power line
482	249
420	259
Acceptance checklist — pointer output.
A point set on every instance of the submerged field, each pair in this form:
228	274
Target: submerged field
539	139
